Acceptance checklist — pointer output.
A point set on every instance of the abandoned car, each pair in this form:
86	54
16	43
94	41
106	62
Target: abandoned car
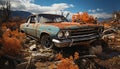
56	31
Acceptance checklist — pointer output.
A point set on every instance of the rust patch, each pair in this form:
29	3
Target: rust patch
69	24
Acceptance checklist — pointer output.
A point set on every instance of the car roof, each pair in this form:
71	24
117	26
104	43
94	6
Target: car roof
45	14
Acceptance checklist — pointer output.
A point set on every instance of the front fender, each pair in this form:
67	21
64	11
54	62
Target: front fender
51	30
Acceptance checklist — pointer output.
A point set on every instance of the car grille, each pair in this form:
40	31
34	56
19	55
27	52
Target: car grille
83	34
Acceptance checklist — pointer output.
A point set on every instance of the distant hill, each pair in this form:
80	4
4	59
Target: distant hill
102	19
22	14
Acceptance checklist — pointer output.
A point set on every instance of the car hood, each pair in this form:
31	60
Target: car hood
71	25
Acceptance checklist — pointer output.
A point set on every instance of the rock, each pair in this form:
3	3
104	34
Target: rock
46	50
27	40
33	41
43	55
33	47
24	64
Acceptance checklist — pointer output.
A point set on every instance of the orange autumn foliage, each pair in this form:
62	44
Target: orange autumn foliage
11	46
66	63
9	24
83	17
52	66
12	24
59	56
3	28
76	55
106	25
71	58
12	42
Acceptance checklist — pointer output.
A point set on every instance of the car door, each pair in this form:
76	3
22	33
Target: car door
31	26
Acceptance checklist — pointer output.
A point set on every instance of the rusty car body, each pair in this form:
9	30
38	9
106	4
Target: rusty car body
55	30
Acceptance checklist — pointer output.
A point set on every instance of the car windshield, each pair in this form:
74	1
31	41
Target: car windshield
51	18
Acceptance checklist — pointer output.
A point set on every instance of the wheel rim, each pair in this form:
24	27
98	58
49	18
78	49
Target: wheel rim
46	42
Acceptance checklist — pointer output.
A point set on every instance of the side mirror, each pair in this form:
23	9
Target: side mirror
27	25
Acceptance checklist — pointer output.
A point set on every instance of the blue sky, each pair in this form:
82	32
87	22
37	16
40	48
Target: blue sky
97	8
85	5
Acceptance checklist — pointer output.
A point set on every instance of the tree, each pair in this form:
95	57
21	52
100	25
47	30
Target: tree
5	7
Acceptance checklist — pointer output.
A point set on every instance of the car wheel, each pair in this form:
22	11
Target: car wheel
46	42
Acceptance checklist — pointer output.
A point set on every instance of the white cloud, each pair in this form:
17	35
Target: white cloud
99	13
95	10
29	5
92	11
98	9
102	15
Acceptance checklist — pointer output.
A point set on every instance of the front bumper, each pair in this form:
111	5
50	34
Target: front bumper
72	42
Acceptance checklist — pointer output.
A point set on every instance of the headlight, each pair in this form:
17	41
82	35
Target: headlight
60	34
67	33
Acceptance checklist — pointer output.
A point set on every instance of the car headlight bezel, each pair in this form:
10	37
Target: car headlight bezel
63	34
67	33
60	34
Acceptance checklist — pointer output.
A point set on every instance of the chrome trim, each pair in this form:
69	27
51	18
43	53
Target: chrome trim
58	41
71	42
82	39
83	35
